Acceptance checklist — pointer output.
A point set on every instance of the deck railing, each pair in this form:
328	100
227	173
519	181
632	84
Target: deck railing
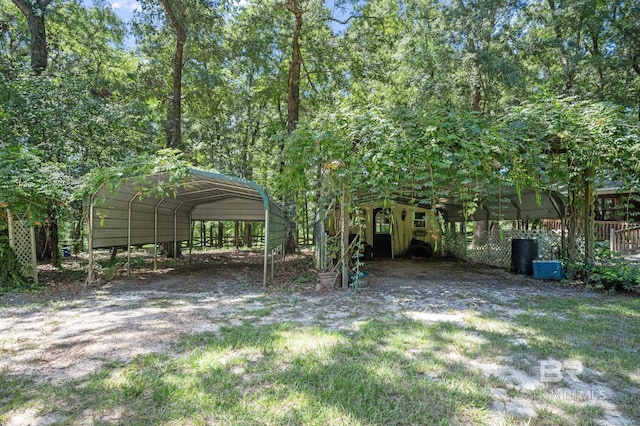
603	227
625	241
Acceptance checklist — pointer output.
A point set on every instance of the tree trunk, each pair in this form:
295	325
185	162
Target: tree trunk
169	249
636	68
173	127
247	234
43	251
293	111
34	12
565	61
220	234
574	212
475	83
293	82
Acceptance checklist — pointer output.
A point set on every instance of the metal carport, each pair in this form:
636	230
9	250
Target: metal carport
132	215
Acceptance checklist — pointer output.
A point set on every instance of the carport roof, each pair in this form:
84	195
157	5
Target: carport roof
156	208
199	187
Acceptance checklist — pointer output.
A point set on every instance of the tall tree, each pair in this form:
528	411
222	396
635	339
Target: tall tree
299	10
189	24
293	82
176	18
35	11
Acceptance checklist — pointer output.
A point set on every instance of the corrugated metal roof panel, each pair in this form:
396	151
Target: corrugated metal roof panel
206	195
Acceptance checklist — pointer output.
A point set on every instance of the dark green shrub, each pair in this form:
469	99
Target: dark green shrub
611	272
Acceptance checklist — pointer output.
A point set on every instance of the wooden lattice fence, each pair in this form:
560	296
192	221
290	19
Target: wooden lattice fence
22	240
495	249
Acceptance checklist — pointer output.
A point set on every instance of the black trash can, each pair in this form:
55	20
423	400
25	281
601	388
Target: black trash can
523	252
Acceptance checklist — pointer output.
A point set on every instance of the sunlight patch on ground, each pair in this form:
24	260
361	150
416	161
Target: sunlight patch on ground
31	416
300	342
456	317
230	358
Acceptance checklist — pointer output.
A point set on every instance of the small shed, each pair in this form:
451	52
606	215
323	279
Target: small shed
391	225
129	216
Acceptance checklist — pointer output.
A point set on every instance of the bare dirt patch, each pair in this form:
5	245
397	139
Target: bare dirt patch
70	332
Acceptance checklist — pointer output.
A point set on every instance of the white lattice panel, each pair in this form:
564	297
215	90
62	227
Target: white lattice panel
495	246
22	241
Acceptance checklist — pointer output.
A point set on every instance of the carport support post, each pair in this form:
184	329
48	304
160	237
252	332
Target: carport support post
155	236
175	236
191	229
266	249
90	271
129	236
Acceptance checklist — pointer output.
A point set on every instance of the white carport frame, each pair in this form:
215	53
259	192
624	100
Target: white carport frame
130	216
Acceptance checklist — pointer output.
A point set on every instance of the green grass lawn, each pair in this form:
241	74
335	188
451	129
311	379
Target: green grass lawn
384	371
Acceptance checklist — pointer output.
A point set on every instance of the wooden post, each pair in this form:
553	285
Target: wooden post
612	240
589	218
344	242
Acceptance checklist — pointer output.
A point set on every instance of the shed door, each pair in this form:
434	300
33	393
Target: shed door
382	234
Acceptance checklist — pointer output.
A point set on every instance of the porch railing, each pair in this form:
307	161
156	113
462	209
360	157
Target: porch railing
625	241
603	227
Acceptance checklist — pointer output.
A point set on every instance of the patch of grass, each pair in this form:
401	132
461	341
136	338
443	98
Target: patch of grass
388	370
307	279
14	392
58	305
547	418
286	374
261	312
163	303
601	334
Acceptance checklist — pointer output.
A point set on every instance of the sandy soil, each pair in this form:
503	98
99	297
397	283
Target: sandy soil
69	334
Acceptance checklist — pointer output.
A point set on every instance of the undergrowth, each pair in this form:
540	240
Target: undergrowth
611	272
11	278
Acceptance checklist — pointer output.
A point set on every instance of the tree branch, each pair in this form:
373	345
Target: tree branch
306	73
345	22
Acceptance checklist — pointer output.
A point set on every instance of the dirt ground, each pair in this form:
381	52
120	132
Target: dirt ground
70	332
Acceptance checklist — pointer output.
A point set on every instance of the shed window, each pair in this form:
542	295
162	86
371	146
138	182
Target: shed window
383	222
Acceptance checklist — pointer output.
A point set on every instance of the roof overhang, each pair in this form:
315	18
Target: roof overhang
526	204
504	203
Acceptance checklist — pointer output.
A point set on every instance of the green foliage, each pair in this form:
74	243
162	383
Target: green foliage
11	278
28	184
433	99
169	161
611	272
